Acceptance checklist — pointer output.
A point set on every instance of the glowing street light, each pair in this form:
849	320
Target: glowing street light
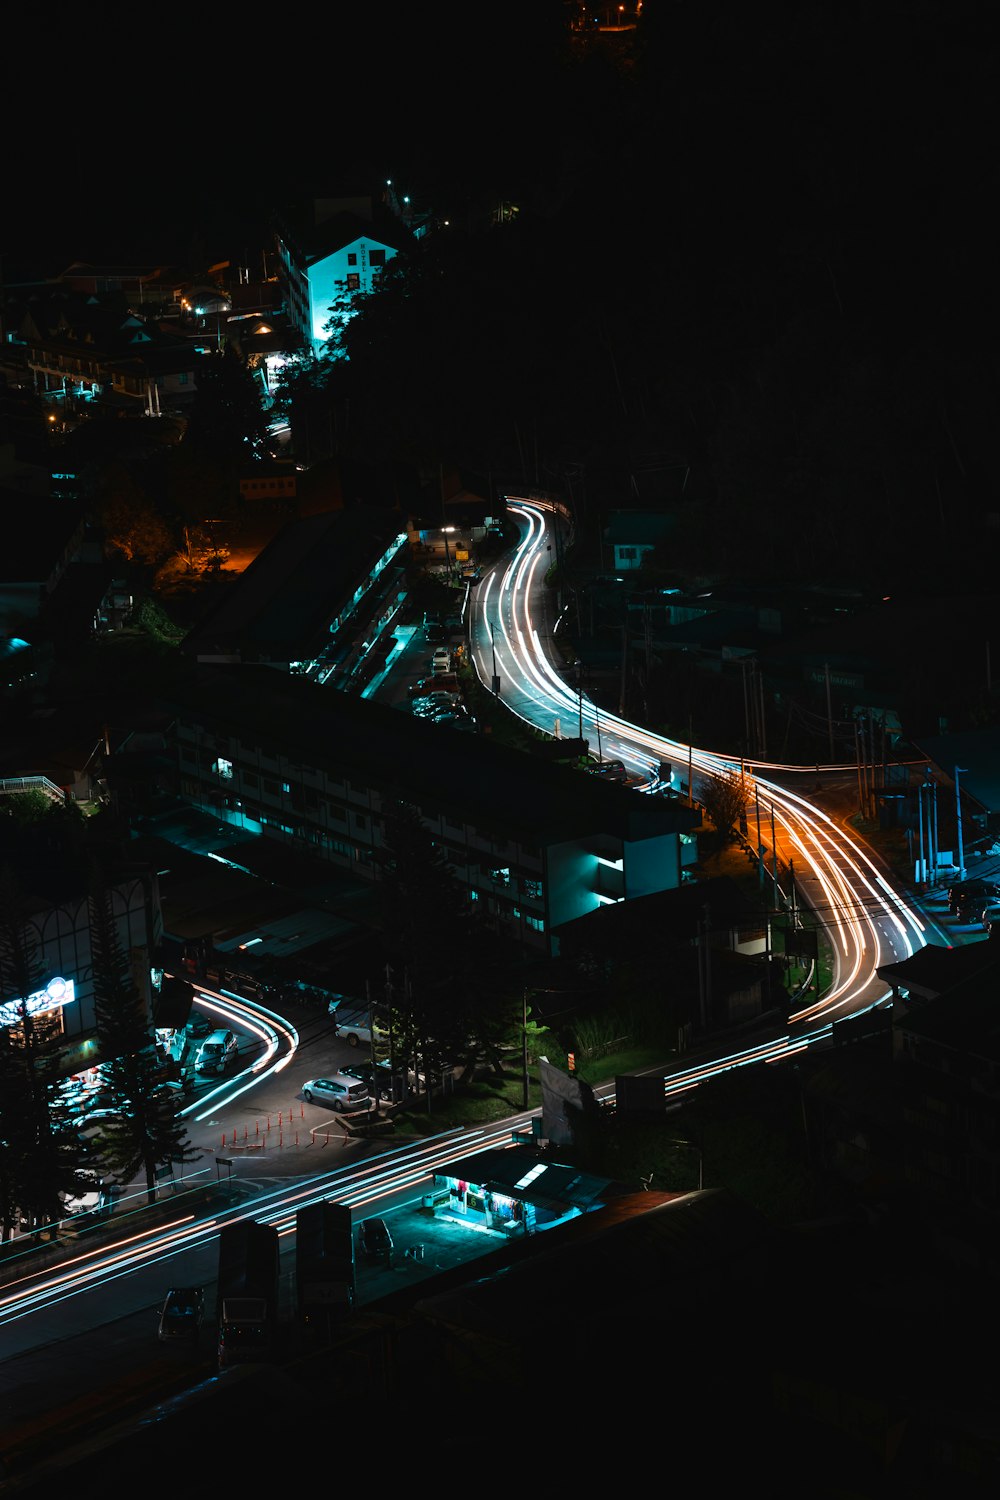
447	549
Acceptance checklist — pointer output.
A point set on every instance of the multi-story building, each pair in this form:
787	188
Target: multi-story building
539	844
58	927
81	348
331	250
317	599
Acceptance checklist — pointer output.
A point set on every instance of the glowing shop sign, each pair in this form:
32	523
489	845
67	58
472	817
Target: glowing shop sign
57	992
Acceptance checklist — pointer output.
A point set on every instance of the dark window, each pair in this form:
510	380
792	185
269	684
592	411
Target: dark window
377	257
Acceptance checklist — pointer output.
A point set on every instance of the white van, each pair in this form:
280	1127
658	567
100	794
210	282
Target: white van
216	1052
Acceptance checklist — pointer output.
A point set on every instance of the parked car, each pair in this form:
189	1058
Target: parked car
96	1118
376	1241
354	1026
88	1196
182	1313
964	889
443	682
439	710
424	708
339	1091
377	1079
249	985
216	1052
970	906
991	918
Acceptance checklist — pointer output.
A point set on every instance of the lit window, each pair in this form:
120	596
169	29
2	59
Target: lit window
223	768
353	281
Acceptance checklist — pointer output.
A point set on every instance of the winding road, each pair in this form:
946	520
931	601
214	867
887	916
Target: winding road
513	627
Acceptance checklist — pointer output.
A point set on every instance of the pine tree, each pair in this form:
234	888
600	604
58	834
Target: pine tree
39	1152
452	1001
146	1131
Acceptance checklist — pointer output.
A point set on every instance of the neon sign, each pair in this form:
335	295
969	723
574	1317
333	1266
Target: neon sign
57	993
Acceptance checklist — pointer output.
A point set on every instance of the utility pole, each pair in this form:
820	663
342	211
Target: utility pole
959	771
704	971
621	690
935	860
495	684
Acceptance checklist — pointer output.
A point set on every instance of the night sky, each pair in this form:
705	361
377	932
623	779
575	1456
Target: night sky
132	145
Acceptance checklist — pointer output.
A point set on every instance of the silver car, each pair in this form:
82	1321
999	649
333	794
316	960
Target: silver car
339	1091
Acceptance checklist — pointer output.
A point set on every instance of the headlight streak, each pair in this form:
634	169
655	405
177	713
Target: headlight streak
841	870
392	1171
272	1030
843	873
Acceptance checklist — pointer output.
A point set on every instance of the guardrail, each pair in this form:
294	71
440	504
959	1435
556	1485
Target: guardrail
12	786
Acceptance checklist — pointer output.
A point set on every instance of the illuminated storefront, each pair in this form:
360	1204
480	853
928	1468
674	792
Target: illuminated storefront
513	1192
44	1006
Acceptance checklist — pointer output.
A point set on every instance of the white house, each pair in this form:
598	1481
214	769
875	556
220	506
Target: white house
332	250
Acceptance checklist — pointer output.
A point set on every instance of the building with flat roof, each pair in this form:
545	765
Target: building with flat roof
318	771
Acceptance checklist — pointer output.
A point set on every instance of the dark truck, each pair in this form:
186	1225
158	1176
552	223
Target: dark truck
247	1298
325	1283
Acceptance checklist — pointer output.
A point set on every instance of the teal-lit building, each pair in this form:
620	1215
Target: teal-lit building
331	250
538	844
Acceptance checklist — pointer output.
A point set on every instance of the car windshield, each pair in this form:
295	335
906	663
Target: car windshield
180	1304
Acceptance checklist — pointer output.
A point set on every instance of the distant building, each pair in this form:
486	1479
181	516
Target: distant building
632	534
84	348
319	770
331	250
319	596
58	926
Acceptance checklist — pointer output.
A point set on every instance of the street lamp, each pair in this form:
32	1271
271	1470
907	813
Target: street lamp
447	549
524	1045
496	676
959	771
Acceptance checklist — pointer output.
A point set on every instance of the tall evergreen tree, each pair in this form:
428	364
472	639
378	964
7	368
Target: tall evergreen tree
452	1002
39	1152
227	419
145	1132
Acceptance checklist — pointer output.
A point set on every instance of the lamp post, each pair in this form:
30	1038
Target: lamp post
524	1045
447	549
959	771
496	676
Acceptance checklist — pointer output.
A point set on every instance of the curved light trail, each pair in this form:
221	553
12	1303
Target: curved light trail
867	922
278	1036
